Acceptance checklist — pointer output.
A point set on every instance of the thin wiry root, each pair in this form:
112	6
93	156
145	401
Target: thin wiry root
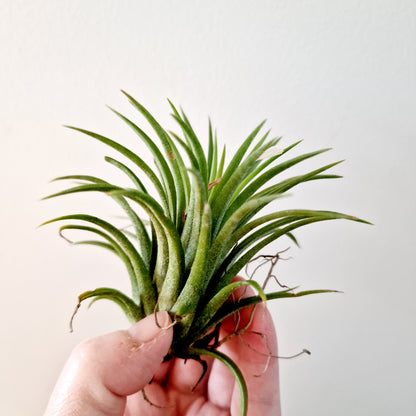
250	275
267	258
238	331
304	351
174	322
277	281
244	330
269	355
272	259
71	328
61	234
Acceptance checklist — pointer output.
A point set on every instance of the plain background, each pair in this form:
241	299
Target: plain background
333	73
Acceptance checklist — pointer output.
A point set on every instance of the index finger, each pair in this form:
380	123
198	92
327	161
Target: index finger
252	345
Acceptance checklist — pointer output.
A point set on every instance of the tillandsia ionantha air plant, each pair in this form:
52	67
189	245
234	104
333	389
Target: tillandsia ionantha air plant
201	227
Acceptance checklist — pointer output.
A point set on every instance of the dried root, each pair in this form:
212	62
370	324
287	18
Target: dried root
265	259
239	332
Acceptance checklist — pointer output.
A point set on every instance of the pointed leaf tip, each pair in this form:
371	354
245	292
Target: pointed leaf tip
352	218
127	95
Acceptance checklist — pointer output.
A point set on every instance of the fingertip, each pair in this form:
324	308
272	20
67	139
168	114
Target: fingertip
144	349
152	326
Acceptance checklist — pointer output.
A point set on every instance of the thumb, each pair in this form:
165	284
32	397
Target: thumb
102	371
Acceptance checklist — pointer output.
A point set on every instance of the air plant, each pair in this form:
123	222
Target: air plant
201	227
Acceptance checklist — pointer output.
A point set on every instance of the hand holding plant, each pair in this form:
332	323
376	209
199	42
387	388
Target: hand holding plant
191	232
102	372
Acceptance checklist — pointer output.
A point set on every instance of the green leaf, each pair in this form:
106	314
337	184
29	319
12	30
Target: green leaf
87	178
258	182
133	177
216	302
210	157
165	172
130	309
214	164
262	167
225	238
173	279
195	145
96	243
199	197
287	184
134	158
103	186
189	220
283	217
188	150
145	287
233	165
234	370
227	189
195	285
235	266
230	308
111	245
172	155
221	165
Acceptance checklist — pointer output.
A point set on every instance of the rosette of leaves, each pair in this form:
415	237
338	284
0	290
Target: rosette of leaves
202	226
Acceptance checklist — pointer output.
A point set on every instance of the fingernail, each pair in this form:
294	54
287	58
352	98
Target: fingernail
146	330
163	318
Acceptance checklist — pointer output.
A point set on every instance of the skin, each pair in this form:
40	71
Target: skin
104	376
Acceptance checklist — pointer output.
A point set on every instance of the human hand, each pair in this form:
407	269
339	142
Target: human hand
105	376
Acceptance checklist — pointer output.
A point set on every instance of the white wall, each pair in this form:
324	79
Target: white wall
334	73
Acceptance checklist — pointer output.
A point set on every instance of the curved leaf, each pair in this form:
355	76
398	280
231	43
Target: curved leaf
230	308
145	287
213	306
111	245
234	370
130	309
134	158
173	280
